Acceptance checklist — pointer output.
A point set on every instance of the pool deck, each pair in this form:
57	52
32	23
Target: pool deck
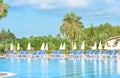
6	74
2	56
3	74
50	55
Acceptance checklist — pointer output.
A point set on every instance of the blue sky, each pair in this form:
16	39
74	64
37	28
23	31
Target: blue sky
44	17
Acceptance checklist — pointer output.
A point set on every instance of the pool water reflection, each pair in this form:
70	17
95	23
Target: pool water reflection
60	68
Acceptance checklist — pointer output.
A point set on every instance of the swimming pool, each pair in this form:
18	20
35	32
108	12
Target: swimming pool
58	68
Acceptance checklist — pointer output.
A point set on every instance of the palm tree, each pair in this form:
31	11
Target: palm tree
72	26
3	9
90	34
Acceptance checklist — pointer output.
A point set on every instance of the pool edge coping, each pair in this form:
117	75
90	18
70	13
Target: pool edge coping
8	74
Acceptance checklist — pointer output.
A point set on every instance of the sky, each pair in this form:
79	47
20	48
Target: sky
43	17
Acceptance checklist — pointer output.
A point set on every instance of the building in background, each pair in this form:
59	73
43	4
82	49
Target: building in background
112	43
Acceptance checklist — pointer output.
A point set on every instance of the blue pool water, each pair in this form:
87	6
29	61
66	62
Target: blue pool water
57	68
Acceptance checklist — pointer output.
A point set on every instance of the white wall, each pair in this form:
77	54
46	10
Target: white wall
111	44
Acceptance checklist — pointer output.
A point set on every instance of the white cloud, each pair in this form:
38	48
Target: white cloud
50	4
109	8
114	7
86	7
77	3
110	1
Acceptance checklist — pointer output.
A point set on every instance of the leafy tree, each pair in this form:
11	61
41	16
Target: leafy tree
90	35
72	26
3	30
3	9
8	31
100	32
58	36
6	35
